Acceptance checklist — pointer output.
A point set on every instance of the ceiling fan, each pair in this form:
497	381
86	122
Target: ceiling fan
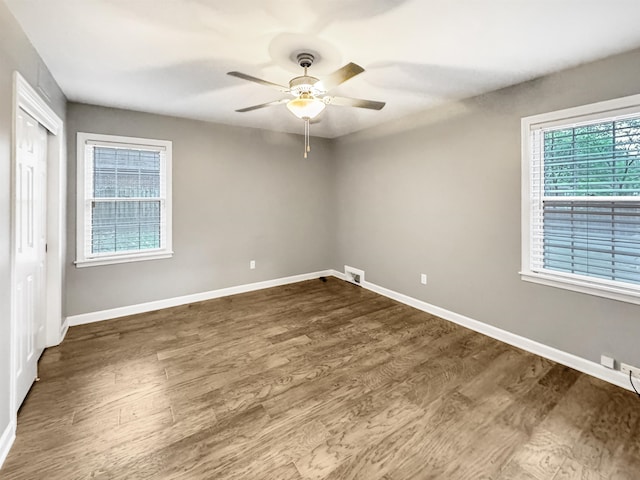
310	94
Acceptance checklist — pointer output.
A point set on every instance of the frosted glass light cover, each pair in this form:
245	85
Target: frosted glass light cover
305	107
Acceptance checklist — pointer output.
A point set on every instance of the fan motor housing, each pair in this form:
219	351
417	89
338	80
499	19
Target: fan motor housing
304	83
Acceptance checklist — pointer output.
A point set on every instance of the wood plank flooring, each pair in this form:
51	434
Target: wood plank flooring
315	380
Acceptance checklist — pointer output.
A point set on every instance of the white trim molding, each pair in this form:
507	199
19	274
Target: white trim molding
112	313
583	365
6	441
26	98
533	198
86	198
29	100
580	285
64	328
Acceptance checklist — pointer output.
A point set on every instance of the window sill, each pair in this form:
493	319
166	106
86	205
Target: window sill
94	262
622	294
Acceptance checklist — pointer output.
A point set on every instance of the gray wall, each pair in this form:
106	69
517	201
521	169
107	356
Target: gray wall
239	194
443	198
16	53
437	193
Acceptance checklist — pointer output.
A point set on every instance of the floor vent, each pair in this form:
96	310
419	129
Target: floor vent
354	275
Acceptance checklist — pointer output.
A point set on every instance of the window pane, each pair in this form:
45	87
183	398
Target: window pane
125	225
125	173
593	160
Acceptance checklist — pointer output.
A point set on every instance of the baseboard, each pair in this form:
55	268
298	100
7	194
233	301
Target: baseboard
63	330
6	441
340	275
112	313
578	363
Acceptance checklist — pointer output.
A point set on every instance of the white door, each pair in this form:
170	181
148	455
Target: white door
30	250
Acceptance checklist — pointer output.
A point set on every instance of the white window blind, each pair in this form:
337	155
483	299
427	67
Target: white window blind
584	205
125	199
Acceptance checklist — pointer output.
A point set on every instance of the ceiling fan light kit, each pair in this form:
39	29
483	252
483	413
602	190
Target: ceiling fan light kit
309	93
306	106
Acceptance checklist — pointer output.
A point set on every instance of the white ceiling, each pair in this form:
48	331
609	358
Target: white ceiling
171	56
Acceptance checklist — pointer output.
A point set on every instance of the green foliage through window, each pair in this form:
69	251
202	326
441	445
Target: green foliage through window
602	159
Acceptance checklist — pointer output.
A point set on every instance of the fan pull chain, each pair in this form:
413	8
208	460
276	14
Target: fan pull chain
307	143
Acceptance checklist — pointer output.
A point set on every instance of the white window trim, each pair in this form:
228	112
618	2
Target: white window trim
577	283
81	259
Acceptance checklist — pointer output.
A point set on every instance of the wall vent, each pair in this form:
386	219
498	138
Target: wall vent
354	275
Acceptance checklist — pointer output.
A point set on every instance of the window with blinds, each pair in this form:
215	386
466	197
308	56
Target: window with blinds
124	202
582	204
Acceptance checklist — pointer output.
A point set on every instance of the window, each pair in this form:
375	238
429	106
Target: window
581	199
124	199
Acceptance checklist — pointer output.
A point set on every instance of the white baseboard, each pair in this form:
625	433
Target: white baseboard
6	441
578	363
63	330
185	299
340	275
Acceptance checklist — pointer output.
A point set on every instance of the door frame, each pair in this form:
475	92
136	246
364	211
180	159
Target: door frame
26	98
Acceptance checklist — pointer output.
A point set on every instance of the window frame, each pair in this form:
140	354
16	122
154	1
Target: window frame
83	216
568	117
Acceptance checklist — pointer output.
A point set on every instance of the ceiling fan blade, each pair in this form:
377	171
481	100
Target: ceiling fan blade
341	75
353	102
244	76
263	105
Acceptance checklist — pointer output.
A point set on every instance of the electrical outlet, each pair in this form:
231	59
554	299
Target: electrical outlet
252	264
423	278
625	368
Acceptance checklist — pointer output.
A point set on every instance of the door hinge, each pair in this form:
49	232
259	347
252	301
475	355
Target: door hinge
46	247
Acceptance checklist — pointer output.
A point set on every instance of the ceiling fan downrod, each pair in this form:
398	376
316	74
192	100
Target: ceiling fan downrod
305	60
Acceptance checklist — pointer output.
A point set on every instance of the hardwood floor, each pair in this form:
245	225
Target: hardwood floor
314	381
